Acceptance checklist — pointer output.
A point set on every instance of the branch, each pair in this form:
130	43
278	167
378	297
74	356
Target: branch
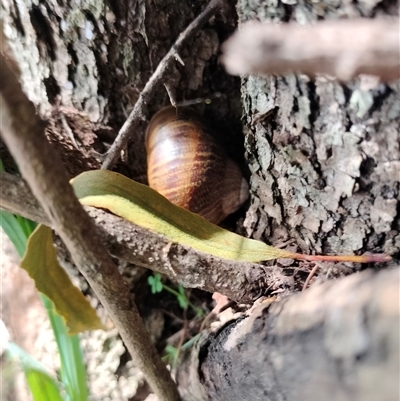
23	133
140	108
242	282
340	48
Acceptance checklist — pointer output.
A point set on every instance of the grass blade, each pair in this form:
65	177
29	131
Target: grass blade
73	371
41	384
14	231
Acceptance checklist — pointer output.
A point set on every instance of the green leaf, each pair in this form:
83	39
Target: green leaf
73	371
155	283
9	223
145	207
182	298
40	261
41	384
183	301
28	226
171	354
150	280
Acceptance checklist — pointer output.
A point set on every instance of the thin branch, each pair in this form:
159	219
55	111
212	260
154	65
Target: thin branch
311	275
140	108
242	282
17	198
342	49
23	133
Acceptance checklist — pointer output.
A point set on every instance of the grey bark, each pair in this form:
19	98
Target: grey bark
338	341
323	156
324	159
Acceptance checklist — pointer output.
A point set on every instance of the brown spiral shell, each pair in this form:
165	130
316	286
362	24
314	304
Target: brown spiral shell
187	166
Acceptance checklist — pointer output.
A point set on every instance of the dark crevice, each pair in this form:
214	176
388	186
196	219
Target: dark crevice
104	82
380	95
295	107
347	92
314	105
74	62
44	33
367	167
289	10
17	19
314	110
52	88
386	7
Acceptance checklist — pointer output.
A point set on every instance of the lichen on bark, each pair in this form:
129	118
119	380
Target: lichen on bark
323	154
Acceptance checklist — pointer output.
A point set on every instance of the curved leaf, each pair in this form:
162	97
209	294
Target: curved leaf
145	207
40	261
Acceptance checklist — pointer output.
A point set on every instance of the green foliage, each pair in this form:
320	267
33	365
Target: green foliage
155	283
172	353
73	373
40	262
157	286
42	385
145	207
182	298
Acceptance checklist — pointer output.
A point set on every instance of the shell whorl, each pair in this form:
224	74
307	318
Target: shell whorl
187	166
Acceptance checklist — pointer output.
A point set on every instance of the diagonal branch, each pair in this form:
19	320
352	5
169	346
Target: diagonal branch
140	108
23	133
240	281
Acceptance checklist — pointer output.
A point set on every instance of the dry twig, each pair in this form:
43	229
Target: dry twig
311	275
340	48
140	108
23	133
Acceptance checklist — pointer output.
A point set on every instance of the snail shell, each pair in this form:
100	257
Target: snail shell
187	166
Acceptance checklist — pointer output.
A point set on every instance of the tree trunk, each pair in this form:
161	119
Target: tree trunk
324	164
324	155
337	341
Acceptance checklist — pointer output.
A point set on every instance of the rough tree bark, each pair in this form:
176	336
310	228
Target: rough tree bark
323	156
330	342
325	162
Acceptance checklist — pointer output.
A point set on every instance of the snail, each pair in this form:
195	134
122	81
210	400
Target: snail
187	166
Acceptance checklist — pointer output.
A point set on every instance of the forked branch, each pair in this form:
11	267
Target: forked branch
23	133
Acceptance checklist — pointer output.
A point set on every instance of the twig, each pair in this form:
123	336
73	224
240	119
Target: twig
340	48
68	130
240	281
310	275
140	108
23	133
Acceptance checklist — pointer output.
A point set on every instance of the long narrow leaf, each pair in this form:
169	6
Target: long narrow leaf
145	207
14	231
41	384
27	226
73	371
